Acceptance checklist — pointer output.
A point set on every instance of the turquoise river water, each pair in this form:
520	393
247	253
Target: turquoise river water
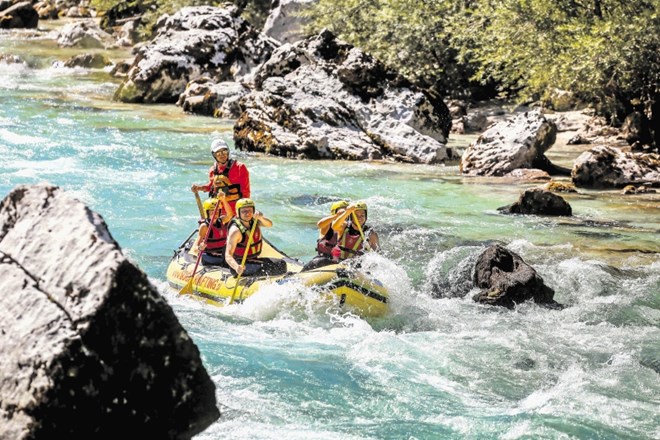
289	365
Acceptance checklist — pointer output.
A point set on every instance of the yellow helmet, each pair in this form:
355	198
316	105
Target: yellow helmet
361	206
209	204
244	203
337	206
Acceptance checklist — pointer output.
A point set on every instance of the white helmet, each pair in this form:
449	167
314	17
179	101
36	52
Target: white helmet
218	145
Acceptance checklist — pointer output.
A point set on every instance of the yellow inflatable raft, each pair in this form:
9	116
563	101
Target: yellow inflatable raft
357	292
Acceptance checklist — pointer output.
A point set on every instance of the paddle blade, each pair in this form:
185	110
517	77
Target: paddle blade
187	289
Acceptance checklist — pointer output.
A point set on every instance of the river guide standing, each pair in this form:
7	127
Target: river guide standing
227	175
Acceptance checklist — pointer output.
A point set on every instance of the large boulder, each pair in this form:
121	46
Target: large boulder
322	98
195	42
89	347
607	167
516	143
506	280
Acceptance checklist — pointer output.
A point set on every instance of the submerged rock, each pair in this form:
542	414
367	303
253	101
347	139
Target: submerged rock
539	201
89	347
506	280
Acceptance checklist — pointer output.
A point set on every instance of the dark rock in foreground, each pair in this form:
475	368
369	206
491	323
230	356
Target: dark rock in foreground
539	201
19	15
507	280
89	347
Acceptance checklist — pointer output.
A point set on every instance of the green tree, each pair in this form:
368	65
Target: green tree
408	35
607	52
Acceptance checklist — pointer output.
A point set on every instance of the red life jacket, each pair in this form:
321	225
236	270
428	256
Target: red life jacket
325	244
255	247
217	240
232	191
351	244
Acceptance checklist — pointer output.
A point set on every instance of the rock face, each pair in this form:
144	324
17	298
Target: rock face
324	99
604	166
539	201
195	42
285	24
204	97
507	280
517	143
89	347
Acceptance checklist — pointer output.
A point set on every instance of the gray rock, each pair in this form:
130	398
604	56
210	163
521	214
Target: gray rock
285	22
517	143
205	97
324	99
539	201
607	167
195	42
506	280
86	34
89	347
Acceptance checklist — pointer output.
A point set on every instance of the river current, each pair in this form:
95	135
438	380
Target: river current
289	365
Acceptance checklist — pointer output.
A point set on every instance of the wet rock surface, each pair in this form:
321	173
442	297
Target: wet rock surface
90	349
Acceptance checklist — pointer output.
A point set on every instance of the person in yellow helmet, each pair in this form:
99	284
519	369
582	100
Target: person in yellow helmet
327	237
239	233
354	237
213	242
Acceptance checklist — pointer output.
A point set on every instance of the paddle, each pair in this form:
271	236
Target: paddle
188	288
359	228
199	205
247	248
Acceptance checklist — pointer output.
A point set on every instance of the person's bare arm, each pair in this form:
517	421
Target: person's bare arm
232	240
263	221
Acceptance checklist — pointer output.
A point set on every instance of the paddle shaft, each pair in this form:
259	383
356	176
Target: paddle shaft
247	249
202	213
188	288
359	228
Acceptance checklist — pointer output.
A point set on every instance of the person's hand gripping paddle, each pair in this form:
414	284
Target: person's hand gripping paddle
188	288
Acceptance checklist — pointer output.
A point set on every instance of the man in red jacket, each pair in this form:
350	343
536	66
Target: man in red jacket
226	175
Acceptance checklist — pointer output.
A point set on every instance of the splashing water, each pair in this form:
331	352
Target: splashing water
289	362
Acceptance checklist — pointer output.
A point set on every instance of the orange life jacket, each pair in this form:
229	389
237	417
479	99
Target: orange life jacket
255	247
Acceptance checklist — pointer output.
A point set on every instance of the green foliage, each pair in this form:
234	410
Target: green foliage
606	52
408	35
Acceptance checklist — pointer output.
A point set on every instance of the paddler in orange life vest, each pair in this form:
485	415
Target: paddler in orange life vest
226	175
354	237
239	234
327	237
214	248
